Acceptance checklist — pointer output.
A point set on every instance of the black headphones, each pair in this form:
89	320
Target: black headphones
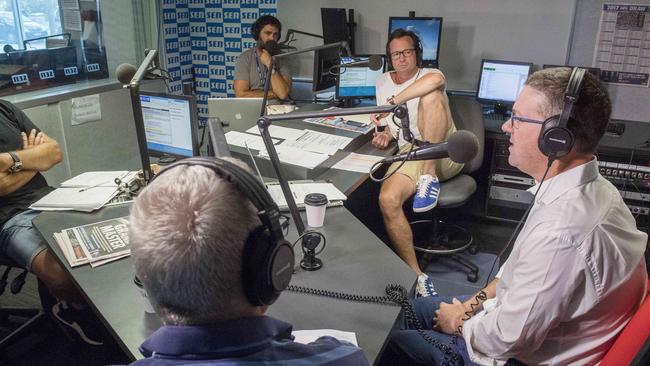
267	259
416	43
555	139
257	25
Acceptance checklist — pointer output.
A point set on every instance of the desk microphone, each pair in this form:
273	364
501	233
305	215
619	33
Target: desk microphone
125	72
461	147
374	62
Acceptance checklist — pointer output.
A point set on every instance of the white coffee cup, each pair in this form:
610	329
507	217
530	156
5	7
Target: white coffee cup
315	205
145	297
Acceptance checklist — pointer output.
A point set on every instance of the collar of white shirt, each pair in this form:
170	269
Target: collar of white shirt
555	187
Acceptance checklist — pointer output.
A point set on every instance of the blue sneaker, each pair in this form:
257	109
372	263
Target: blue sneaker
426	193
424	287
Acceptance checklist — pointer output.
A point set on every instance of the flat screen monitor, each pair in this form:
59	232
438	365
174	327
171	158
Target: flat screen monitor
170	123
428	29
335	25
500	82
357	81
323	61
593	70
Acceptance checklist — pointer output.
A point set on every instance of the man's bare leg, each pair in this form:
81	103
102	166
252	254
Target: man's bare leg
433	122
394	192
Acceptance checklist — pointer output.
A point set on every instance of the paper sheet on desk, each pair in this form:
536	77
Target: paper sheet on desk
241	139
361	118
279	132
308	336
357	162
301	189
102	178
75	199
318	142
296	156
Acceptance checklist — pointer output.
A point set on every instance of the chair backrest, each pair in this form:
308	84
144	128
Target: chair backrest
631	339
467	115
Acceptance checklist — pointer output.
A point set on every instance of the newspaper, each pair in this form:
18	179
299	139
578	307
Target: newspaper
97	243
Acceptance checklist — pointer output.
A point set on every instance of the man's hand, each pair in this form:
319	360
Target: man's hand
32	140
449	318
381	140
377	117
265	58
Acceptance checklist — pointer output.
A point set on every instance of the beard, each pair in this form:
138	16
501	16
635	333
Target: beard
270	46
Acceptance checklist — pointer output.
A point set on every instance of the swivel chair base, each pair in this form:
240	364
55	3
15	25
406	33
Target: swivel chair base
34	318
436	237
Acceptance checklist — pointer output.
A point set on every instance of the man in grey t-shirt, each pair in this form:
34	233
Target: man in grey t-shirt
252	64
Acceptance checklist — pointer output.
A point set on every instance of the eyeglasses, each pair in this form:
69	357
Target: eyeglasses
406	53
514	119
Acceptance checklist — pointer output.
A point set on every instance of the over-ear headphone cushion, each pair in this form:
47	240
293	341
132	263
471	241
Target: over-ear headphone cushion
266	267
554	139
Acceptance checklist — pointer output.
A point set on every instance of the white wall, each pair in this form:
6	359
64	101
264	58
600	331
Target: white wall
526	30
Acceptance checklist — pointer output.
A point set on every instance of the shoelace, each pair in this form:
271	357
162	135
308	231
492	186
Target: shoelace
422	188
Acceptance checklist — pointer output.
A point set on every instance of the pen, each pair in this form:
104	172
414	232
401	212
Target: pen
376	129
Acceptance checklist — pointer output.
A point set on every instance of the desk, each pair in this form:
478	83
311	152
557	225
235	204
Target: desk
345	181
355	261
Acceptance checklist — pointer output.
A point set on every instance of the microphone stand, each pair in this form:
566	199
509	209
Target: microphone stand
310	240
134	89
269	72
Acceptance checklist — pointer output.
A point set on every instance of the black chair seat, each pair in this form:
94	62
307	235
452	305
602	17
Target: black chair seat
455	191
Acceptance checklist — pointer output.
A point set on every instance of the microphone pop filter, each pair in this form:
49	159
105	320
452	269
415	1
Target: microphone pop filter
125	72
375	62
463	146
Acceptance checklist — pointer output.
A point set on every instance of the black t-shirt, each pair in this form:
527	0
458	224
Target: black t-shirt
12	122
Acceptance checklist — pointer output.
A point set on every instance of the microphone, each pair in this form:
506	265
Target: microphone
461	147
374	62
125	72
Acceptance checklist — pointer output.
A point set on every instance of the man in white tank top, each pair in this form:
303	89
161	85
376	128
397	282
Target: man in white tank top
423	91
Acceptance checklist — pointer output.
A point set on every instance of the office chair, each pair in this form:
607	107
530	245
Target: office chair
432	235
34	316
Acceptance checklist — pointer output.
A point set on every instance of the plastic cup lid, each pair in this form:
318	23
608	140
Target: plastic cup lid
316	199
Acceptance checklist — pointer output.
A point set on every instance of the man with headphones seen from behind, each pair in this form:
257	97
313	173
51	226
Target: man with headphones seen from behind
423	91
576	273
253	64
208	247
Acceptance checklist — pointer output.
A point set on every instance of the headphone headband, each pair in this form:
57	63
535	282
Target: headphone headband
249	186
571	94
267	258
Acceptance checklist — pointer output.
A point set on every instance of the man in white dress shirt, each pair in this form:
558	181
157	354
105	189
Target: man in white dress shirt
576	273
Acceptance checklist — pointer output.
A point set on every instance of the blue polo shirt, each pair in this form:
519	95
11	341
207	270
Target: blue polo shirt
249	341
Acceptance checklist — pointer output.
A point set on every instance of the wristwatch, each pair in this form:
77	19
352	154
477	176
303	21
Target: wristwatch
17	165
391	100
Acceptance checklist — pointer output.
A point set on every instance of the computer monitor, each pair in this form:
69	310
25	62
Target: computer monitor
170	123
324	60
500	82
335	25
595	71
428	29
357	82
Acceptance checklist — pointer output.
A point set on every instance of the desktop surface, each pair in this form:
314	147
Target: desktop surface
355	261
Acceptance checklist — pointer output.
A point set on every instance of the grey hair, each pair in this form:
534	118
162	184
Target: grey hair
187	233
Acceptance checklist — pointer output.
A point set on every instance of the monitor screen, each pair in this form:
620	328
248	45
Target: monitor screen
335	25
357	81
428	29
323	61
170	123
501	81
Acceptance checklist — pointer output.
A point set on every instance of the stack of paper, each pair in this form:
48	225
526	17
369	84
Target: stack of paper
97	243
301	189
86	192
